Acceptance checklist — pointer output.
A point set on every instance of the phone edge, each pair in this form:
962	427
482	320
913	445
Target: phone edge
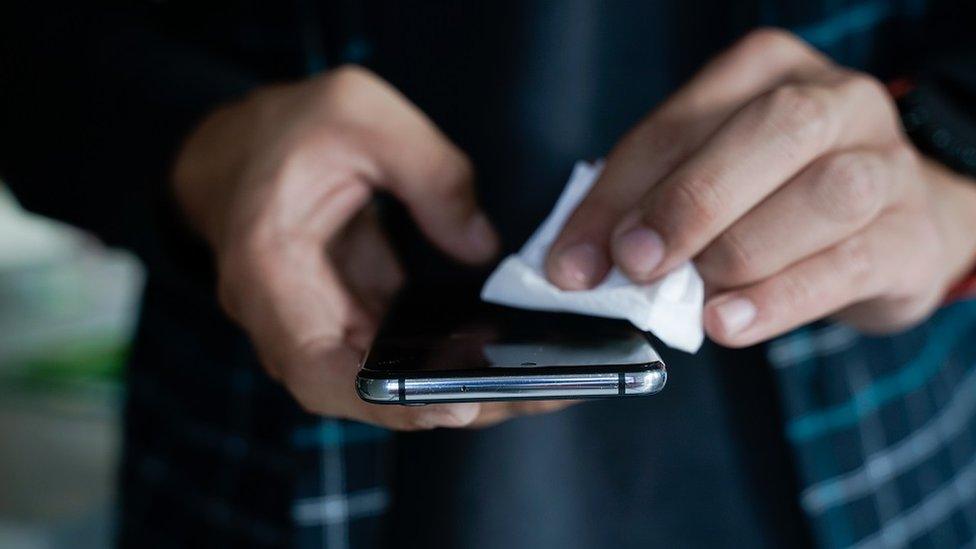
648	379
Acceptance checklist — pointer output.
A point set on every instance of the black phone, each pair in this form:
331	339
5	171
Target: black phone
448	346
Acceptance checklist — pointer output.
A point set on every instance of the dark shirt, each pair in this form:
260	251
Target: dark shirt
215	452
527	89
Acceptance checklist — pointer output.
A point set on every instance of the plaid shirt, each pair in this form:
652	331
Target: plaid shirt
883	428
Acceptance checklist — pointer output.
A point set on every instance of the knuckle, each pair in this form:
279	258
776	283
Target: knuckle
348	78
775	50
849	189
876	102
854	257
689	203
794	293
866	87
345	94
732	259
799	112
765	39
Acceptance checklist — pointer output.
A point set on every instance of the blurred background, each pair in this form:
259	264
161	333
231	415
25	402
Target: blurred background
67	311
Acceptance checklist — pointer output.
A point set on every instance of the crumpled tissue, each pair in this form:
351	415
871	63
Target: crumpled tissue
670	308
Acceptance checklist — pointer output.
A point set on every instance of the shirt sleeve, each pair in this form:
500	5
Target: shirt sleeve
939	113
938	108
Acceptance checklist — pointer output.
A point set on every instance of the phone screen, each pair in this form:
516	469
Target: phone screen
453	330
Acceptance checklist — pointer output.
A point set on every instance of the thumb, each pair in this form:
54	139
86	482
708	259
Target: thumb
441	199
421	167
435	181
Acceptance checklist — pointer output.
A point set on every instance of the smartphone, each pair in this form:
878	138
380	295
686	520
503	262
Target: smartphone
448	346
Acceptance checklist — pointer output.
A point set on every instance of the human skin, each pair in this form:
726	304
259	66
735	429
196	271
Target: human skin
788	180
280	184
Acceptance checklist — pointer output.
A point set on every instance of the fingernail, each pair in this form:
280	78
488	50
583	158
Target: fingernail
481	235
454	415
638	250
735	315
580	265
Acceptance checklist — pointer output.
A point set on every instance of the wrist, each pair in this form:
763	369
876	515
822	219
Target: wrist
964	289
959	211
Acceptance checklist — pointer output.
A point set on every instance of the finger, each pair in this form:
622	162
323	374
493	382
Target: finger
579	258
915	290
366	263
497	412
492	413
310	331
410	157
759	148
282	291
437	186
833	198
862	267
322	378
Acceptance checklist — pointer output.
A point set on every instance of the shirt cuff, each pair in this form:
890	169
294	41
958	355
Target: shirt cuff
966	289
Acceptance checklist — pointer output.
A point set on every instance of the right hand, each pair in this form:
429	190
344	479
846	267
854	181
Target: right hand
279	184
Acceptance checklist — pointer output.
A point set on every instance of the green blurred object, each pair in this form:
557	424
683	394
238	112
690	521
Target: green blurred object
67	304
80	363
68	307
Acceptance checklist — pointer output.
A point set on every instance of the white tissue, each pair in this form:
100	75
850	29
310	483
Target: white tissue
670	308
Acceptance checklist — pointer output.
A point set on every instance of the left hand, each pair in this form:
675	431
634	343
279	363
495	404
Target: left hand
279	184
790	182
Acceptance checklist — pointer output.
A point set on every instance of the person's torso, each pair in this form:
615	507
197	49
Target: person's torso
527	88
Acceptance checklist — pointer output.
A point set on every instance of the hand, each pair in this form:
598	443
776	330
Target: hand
280	184
790	183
